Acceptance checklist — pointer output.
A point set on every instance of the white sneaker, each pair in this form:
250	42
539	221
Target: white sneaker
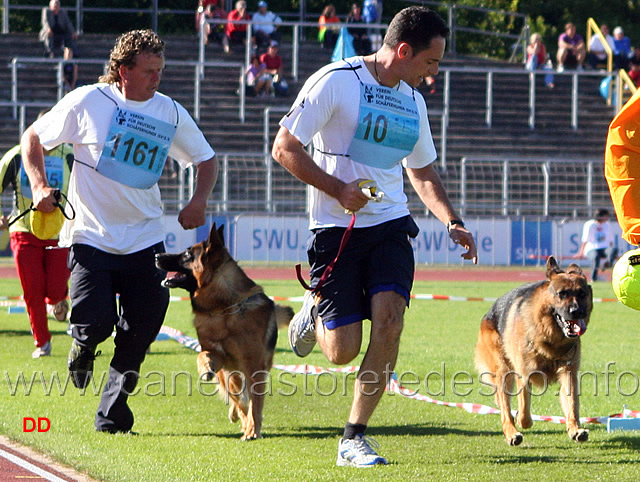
44	350
560	68
359	452
302	329
60	310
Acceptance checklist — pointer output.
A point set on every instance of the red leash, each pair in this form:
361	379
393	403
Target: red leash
329	268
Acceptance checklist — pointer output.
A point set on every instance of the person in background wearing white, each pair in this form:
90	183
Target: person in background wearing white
597	53
597	242
265	26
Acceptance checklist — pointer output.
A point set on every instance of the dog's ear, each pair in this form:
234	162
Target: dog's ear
221	234
213	234
574	269
552	267
216	237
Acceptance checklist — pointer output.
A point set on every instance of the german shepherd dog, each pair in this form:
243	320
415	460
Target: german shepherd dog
236	323
531	335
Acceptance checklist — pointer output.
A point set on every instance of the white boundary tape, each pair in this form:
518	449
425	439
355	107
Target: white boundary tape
424	296
393	386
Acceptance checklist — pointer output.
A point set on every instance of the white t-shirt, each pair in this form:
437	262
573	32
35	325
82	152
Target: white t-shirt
596	47
596	235
111	216
266	22
326	111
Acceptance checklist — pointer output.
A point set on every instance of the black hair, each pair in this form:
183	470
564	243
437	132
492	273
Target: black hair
417	26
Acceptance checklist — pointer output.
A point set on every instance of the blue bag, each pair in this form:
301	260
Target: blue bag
344	46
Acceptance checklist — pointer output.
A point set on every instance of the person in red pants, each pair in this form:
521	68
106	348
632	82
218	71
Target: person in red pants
40	263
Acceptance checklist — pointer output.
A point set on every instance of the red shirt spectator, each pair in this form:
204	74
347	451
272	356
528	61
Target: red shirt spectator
239	13
235	33
271	59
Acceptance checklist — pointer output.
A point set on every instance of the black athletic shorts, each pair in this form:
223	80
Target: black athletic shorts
375	259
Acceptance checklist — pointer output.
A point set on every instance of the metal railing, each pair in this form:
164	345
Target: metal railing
445	113
488	186
490	73
20	112
524	185
20	62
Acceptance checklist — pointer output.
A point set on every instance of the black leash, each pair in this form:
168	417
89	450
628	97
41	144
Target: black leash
58	195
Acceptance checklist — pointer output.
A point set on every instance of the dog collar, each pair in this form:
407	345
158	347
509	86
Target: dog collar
233	308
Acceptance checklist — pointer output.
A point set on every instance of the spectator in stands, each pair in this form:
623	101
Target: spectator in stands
265	26
372	13
361	42
327	34
622	50
634	66
537	58
536	53
258	79
214	32
40	263
571	49
69	70
597	53
235	33
57	30
273	61
202	6
118	227
597	242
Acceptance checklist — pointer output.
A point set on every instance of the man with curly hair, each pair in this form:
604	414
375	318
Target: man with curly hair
122	130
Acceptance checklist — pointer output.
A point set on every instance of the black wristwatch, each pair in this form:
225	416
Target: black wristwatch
454	222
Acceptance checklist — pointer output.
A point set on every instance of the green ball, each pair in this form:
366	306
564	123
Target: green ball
625	279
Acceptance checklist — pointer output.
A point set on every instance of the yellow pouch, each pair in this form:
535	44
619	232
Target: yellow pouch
46	225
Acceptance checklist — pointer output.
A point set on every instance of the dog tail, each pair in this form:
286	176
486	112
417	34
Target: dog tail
284	314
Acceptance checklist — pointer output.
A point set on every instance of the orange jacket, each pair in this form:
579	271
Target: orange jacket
622	168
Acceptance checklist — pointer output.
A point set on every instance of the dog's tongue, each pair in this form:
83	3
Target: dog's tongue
578	327
171	279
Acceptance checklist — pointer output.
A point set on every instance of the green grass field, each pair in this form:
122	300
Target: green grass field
184	434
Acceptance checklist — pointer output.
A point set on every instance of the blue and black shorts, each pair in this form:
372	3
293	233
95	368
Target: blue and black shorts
375	259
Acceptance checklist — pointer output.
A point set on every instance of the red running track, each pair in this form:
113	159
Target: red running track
22	463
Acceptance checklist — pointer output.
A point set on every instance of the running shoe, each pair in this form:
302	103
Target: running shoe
359	452
44	350
80	363
302	329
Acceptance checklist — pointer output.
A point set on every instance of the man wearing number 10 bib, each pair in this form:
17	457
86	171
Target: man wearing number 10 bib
122	131
367	122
